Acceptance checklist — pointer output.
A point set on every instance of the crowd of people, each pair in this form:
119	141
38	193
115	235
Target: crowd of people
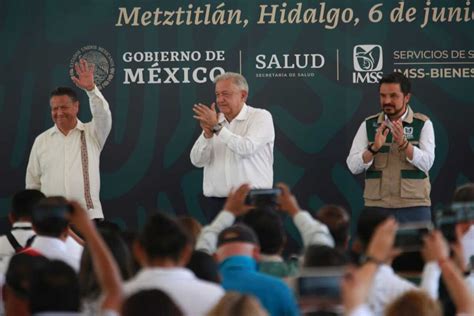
55	260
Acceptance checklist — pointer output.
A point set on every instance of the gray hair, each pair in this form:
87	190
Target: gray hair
236	78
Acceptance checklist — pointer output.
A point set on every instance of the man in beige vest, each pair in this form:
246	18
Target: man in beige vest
395	149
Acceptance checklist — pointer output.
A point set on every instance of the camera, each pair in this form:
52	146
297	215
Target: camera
409	237
447	219
263	197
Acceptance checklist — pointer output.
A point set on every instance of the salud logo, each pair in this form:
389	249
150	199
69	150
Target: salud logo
368	58
102	60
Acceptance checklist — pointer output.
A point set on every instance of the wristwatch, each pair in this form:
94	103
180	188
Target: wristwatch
369	259
216	128
374	152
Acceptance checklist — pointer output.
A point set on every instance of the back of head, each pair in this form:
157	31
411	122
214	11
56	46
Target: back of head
192	226
369	219
237	304
54	287
23	203
19	272
204	266
147	302
324	256
51	216
163	237
464	193
88	279
268	226
337	219
236	240
414	302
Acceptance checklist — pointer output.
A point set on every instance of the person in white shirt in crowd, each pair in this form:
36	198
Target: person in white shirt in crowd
387	285
163	248
311	230
50	220
64	160
22	234
236	144
358	284
20	217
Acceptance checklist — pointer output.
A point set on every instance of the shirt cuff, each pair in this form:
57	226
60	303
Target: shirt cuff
366	165
93	92
416	154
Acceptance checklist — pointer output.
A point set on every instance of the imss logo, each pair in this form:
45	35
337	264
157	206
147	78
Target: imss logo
368	63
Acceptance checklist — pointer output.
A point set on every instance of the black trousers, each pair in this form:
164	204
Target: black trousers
211	206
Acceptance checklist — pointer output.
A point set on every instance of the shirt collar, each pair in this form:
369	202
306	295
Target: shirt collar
45	243
240	262
79	126
270	258
22	225
242	116
406	117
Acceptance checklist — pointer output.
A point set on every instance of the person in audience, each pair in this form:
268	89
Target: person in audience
163	249
311	230
16	290
324	256
50	222
268	226
437	249
358	282
90	290
414	302
237	304
204	266
54	288
20	217
337	219
387	285
192	226
237	254
146	302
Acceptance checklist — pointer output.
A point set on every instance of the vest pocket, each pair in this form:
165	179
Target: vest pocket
412	184
373	182
381	159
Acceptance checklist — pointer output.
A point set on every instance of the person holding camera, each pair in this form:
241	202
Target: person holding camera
236	144
395	149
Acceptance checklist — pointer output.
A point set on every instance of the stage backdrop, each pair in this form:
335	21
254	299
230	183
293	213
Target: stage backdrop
313	64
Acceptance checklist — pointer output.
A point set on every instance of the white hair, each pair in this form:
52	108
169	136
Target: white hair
236	78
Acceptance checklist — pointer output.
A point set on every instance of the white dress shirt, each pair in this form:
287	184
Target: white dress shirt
192	295
387	286
55	249
423	157
242	152
22	231
55	166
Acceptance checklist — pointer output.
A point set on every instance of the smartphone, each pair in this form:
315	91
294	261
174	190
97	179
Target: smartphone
263	197
409	237
320	282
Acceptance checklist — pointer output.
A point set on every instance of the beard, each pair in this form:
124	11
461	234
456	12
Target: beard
391	110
